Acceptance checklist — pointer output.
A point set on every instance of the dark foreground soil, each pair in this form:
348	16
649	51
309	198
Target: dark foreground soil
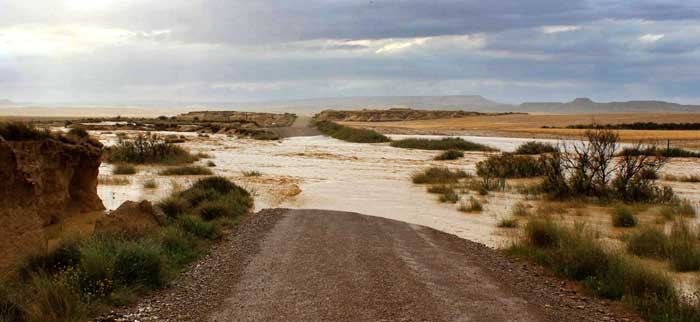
317	265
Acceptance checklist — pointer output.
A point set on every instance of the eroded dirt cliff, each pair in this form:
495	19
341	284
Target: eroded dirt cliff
389	115
43	182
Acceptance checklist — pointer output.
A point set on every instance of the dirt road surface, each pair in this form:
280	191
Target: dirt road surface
317	265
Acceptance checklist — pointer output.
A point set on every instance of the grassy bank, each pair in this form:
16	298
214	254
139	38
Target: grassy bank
576	254
346	133
83	278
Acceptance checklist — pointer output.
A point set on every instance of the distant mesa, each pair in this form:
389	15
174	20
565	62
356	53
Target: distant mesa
586	105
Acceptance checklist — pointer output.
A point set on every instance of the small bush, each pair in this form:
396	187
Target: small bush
508	165
148	149
434	175
534	147
543	233
199	228
648	242
474	205
211	164
450	155
180	247
622	216
173	206
150	184
458	144
52	300
684	251
252	173
507	223
139	263
124	169
350	134
449	196
186	171
20	131
520	210
439	189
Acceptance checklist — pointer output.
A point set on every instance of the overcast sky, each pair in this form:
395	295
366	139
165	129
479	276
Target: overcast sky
241	50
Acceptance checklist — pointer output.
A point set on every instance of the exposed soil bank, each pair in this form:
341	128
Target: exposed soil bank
316	265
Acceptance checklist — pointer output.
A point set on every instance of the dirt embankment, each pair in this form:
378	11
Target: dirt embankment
43	182
260	119
390	115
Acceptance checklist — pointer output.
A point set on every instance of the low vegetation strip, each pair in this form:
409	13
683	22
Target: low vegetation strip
534	147
186	171
79	279
508	165
438	175
442	144
639	126
576	254
346	133
654	151
148	149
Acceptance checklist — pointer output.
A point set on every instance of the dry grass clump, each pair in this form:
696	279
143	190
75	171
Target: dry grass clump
438	175
449	155
186	171
473	205
150	184
252	173
508	165
688	178
124	169
458	144
534	147
622	216
681	246
112	181
507	223
520	210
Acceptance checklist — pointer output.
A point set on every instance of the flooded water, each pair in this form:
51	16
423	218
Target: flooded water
325	173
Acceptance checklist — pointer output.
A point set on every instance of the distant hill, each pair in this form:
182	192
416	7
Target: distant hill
585	105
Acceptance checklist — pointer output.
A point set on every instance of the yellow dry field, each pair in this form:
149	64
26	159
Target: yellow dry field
530	125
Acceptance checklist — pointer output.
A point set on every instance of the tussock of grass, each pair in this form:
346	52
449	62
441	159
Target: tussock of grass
148	149
252	173
622	216
112	181
438	175
649	242
449	155
150	184
507	223
186	171
458	144
124	169
520	210
449	196
350	134
575	253
534	147
473	205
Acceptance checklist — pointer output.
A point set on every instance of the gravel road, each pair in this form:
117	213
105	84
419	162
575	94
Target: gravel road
317	265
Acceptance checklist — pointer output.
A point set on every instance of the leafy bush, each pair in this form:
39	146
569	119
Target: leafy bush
449	196
123	169
139	263
148	149
20	131
450	155
534	147
346	133
543	233
441	144
186	171
434	175
508	165
623	217
649	242
179	246
199	227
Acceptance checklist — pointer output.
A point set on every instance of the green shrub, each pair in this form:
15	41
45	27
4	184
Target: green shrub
20	131
450	155
441	144
139	263
52	300
474	205
648	242
507	223
622	216
449	196
543	233
173	206
534	147
122	169
434	175
508	165
350	134
186	171
199	228
65	255
148	149
180	247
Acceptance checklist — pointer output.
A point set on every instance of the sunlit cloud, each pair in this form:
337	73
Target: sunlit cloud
558	29
651	38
